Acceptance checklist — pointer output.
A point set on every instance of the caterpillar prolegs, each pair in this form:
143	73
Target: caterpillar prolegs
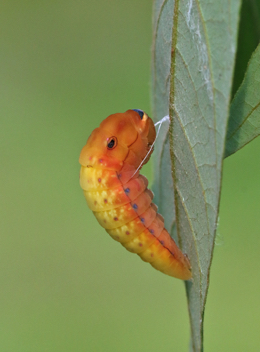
118	195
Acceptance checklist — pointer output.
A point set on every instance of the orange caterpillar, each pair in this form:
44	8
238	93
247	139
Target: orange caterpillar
118	195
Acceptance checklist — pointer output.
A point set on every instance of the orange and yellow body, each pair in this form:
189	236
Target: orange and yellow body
118	195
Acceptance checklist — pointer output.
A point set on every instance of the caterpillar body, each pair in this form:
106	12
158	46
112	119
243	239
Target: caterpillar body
118	195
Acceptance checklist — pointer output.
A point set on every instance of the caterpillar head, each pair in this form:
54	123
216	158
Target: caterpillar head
121	142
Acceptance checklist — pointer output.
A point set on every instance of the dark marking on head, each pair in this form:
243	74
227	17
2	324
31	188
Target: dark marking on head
127	233
115	218
140	244
105	200
139	112
99	180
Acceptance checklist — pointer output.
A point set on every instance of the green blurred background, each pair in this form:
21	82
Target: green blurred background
65	285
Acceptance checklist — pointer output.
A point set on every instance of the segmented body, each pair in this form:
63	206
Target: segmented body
118	195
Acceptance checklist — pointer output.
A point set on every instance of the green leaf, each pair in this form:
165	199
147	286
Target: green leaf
162	39
248	39
244	119
193	61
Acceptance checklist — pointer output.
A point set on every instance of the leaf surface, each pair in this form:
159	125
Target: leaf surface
244	119
193	61
248	39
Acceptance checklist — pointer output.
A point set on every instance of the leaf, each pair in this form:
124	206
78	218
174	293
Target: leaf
244	119
193	61
163	182
248	39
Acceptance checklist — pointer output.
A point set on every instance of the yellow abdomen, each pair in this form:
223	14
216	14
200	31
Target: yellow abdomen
126	211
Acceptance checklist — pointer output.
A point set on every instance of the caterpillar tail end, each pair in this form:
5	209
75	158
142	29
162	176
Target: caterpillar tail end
179	270
162	259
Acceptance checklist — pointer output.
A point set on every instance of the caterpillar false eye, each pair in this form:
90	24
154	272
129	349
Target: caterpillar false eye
118	195
111	143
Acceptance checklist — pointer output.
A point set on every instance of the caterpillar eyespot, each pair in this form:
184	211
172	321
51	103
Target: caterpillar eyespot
118	195
112	143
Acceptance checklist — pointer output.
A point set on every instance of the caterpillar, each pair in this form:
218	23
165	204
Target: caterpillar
118	195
